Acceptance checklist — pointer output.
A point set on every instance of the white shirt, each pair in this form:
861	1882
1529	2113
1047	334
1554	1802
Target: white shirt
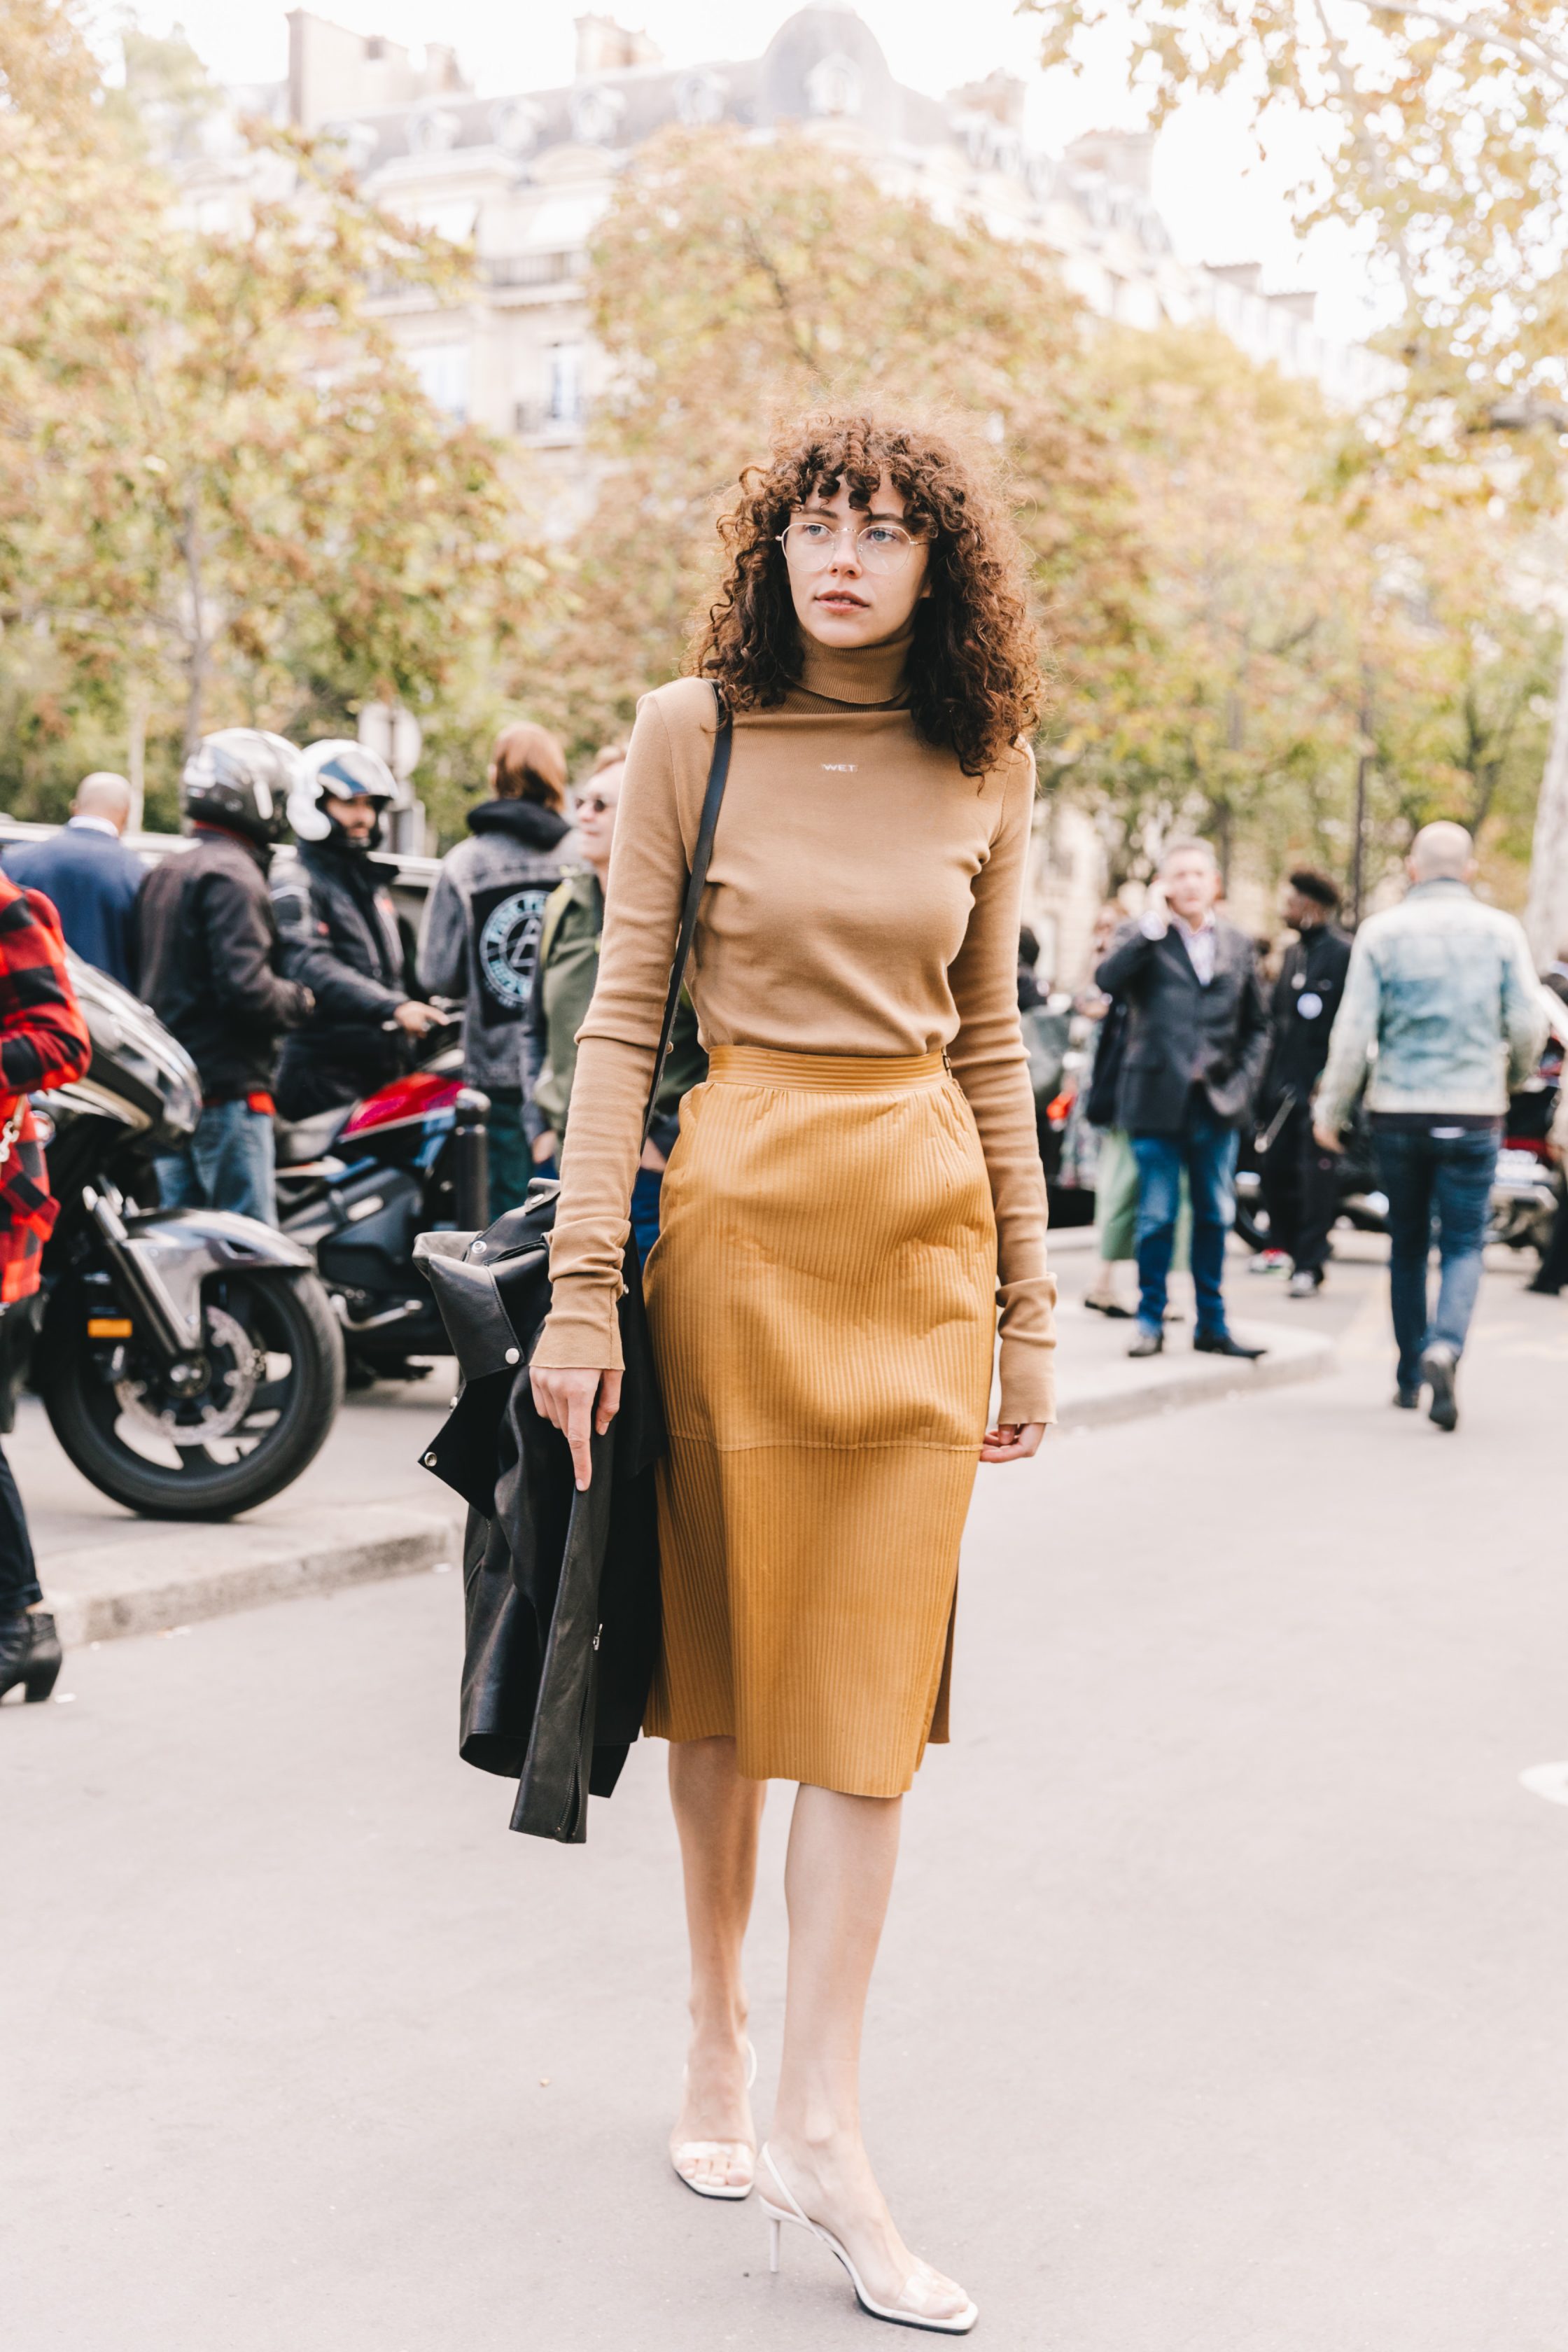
1200	942
95	825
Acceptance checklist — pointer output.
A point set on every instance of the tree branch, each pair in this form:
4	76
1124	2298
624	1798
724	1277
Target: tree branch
1542	60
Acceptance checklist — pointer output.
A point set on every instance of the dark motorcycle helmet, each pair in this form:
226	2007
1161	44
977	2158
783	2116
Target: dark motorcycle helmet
242	778
339	770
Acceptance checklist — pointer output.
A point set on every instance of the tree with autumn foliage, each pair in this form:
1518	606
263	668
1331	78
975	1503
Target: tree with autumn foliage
1316	629
223	496
1442	131
734	282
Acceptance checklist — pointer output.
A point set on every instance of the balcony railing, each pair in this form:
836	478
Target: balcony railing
549	420
530	268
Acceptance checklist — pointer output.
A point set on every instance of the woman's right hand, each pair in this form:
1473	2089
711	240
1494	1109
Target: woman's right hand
578	1404
544	1147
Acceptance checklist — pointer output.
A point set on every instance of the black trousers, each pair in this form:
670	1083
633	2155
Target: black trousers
1300	1190
1553	1271
18	1577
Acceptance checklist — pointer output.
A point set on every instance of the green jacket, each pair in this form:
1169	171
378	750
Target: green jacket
563	981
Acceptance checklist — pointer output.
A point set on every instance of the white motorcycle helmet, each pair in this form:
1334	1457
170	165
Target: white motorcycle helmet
341	771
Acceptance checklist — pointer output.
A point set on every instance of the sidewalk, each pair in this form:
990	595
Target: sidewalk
365	1509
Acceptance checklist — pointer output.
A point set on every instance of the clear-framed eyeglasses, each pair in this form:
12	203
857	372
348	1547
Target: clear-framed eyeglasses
812	542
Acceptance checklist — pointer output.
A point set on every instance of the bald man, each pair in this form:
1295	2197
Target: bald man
90	874
1443	990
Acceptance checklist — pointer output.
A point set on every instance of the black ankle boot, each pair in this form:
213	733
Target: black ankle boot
30	1652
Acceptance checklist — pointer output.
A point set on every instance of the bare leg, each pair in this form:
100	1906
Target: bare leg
718	1815
838	1879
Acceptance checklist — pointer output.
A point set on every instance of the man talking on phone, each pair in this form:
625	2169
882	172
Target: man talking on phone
1197	1036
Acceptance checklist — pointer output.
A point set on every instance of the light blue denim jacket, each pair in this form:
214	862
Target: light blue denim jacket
1442	993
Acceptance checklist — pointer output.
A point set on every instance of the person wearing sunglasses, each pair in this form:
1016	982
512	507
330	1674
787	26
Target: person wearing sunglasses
564	978
854	1193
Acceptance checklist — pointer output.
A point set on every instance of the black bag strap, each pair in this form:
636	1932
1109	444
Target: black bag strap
717	774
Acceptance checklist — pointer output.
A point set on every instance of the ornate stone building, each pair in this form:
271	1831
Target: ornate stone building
527	175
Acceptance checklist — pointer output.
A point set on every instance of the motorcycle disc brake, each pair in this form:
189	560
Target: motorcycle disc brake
226	1336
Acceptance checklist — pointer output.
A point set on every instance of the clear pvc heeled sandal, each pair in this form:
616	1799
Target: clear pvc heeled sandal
729	2149
780	2206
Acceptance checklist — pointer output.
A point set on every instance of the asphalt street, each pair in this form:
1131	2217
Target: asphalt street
1221	2009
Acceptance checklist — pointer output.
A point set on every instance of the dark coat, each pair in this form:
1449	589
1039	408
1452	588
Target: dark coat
1301	1013
210	965
559	1589
93	880
481	928
1105	1077
1181	1034
340	936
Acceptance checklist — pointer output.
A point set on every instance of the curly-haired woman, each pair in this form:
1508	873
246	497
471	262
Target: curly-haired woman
853	1191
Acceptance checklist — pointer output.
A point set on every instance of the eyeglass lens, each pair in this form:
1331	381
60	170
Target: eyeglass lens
812	541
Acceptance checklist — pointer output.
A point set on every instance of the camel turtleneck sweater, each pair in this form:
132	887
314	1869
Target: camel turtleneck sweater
864	897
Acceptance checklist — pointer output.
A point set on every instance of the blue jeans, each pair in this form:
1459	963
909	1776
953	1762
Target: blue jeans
645	1209
227	1164
1438	1182
1206	1150
511	1153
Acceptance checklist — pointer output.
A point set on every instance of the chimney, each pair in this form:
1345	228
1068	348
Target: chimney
333	71
605	47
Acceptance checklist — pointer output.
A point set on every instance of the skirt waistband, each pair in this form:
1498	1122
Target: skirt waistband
761	1065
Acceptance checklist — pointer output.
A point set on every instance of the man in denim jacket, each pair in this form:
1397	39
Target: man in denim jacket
1442	995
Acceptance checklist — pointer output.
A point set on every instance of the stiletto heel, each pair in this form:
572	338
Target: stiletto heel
791	2211
731	2191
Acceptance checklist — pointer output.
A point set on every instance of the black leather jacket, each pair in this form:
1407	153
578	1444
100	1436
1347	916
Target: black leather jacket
561	1588
1306	998
339	929
210	962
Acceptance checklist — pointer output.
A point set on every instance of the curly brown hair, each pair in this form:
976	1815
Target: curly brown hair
974	668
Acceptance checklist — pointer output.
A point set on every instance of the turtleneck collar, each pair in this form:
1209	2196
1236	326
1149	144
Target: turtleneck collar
863	674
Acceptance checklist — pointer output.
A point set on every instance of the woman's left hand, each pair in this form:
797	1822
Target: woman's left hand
1010	1443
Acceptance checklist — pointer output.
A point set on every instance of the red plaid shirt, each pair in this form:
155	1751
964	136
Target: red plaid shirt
44	1043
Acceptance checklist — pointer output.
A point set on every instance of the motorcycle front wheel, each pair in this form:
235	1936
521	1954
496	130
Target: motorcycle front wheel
273	1356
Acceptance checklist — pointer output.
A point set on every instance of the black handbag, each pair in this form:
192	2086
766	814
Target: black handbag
561	1588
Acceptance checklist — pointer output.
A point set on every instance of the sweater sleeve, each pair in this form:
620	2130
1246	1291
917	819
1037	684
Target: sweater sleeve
615	1049
991	1065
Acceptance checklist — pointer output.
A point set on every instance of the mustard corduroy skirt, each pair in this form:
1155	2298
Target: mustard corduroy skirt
822	1301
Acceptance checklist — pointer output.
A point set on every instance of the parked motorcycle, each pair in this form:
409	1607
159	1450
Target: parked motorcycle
188	1359
1362	1203
357	1184
1528	1183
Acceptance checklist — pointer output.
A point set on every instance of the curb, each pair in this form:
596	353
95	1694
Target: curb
151	1593
168	1575
1209	1380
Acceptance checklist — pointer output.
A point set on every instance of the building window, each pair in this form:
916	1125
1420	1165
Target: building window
442	370
565	383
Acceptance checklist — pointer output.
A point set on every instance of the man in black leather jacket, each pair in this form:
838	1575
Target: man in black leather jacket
209	960
340	935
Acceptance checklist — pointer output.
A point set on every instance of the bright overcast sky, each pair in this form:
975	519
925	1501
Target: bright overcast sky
1219	202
